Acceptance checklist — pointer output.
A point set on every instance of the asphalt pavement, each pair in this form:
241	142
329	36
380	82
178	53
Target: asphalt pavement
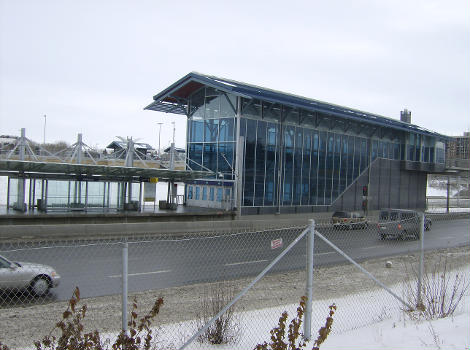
153	264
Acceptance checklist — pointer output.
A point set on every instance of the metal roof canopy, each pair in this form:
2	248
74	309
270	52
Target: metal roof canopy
174	99
96	172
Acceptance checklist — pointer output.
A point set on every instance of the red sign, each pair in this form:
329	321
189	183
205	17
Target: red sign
276	243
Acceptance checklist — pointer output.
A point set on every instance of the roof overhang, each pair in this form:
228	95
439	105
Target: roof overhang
174	99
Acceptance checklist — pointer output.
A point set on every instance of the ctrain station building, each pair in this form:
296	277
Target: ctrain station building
274	152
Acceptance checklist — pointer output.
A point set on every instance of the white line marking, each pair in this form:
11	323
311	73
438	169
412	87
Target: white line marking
324	253
246	262
373	247
141	273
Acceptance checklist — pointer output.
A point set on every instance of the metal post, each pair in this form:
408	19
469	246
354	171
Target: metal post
309	291
421	261
125	247
245	290
448	193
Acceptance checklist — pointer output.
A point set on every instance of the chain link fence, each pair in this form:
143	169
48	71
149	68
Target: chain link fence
198	274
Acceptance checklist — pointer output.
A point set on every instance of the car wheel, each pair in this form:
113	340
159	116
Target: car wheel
40	285
382	237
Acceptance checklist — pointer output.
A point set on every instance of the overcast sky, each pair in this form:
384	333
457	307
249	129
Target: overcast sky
92	66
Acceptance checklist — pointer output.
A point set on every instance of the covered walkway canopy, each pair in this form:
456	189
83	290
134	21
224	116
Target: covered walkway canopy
95	172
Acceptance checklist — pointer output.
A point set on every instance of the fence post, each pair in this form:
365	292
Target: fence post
421	260
125	261
309	287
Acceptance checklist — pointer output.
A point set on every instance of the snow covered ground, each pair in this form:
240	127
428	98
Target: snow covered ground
372	320
392	330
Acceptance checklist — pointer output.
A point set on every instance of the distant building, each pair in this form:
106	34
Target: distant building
458	147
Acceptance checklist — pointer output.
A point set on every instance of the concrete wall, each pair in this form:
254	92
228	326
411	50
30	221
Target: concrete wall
389	187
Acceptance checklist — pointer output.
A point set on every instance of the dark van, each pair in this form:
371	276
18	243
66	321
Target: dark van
398	223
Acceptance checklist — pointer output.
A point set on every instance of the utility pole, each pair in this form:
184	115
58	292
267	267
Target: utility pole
159	135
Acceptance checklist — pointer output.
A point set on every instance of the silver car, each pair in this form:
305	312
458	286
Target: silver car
36	278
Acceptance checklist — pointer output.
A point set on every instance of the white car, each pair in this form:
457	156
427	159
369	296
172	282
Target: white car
36	278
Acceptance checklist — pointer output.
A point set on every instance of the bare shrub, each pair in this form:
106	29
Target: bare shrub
441	290
72	335
295	338
226	329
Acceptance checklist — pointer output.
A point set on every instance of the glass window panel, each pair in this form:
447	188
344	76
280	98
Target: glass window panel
195	156
271	111
297	187
210	156
270	197
197	130
211	194
212	106
228	105
251	108
357	157
250	149
226	130
380	152
350	176
329	168
292	115
364	155
314	169
190	192
396	151
226	157
219	195
344	164
374	149
289	134
196	104
204	193
307	145
211	129
321	168
198	192
336	167
260	162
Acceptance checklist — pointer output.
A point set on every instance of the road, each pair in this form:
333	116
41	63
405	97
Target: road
96	267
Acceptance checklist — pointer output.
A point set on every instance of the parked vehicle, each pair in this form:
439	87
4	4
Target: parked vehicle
400	223
348	220
36	278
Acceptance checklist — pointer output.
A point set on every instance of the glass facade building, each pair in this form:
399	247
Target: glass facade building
288	155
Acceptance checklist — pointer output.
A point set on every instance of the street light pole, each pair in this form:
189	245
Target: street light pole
159	135
44	134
